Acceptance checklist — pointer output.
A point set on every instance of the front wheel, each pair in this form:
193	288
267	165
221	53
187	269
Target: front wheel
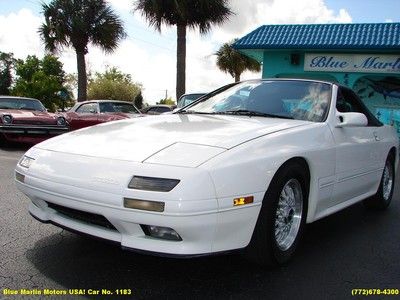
381	200
282	217
2	140
289	214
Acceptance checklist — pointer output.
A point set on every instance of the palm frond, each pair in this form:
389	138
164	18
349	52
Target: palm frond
200	14
78	22
233	62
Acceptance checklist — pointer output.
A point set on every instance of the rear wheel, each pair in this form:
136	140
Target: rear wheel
381	200
282	217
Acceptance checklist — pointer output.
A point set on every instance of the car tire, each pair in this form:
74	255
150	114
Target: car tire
2	140
268	245
381	200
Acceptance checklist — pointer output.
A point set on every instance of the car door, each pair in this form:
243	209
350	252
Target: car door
85	115
357	151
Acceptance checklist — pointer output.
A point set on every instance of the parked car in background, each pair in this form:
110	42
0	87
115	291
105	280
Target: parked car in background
245	168
158	109
187	99
26	120
89	113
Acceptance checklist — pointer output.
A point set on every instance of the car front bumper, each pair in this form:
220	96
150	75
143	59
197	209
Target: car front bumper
202	225
196	231
33	130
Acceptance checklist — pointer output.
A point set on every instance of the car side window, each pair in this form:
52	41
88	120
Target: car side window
88	108
163	109
106	107
152	111
348	101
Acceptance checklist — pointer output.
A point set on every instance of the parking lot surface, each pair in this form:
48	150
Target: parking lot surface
355	248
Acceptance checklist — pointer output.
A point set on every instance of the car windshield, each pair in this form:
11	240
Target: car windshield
187	99
289	99
20	103
112	107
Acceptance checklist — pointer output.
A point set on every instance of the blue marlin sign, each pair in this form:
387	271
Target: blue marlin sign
366	63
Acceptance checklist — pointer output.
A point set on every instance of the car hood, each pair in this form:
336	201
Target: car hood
28	115
167	137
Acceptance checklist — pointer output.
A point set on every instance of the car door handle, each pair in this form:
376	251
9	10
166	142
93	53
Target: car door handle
376	136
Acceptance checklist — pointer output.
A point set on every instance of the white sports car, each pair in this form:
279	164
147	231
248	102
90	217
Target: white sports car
243	168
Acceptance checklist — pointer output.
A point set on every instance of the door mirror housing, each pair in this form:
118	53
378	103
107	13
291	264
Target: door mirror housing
351	119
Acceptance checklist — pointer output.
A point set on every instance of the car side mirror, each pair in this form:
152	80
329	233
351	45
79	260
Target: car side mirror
92	111
351	119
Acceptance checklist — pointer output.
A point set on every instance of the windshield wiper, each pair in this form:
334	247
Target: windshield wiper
252	113
240	112
184	111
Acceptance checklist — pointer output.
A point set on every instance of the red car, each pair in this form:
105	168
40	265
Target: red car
93	112
26	120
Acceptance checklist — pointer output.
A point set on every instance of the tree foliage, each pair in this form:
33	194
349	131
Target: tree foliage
42	79
76	23
235	63
6	77
113	84
201	14
167	101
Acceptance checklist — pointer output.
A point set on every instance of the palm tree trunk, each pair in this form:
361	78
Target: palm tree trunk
181	60
237	77
82	77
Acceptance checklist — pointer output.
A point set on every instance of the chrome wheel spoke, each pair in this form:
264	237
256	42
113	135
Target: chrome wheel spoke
288	214
387	181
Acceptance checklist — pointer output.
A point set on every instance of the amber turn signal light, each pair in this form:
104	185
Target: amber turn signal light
243	200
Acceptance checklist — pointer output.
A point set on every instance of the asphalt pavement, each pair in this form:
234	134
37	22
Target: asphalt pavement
352	249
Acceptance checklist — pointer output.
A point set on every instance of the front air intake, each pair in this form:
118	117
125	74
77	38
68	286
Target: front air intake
83	216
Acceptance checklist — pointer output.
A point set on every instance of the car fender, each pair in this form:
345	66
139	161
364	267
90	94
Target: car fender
248	169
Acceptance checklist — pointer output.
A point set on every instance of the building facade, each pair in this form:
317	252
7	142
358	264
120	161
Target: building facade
364	57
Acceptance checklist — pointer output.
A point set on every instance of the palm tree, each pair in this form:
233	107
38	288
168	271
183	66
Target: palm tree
200	14
76	23
235	63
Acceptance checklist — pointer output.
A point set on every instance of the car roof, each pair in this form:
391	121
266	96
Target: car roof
292	79
17	98
102	101
160	105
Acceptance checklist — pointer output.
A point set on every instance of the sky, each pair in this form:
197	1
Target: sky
150	56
